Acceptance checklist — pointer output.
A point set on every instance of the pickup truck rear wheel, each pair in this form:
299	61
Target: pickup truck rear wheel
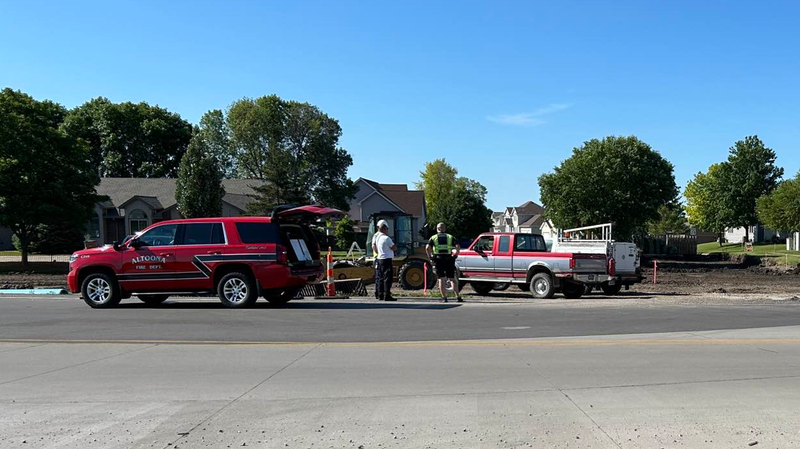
482	288
152	300
542	286
572	290
501	286
100	291
237	290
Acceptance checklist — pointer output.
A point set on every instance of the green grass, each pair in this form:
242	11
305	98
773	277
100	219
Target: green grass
777	251
9	253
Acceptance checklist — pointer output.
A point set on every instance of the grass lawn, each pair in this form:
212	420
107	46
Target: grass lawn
9	253
777	251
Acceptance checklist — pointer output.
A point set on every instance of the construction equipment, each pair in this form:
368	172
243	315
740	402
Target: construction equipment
409	263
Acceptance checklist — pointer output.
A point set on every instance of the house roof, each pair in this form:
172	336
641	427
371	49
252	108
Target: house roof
159	193
410	201
529	208
533	222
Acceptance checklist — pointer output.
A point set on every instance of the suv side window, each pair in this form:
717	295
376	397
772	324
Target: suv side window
203	234
159	236
485	243
530	243
255	232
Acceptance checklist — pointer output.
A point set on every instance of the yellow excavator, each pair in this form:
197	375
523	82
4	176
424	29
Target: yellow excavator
410	260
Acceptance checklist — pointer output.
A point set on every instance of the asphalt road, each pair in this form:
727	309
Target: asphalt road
625	373
206	320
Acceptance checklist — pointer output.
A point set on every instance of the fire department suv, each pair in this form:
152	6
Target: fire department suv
238	258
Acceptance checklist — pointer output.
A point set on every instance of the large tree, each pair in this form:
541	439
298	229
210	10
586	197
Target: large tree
199	189
780	209
456	201
134	140
46	177
616	179
294	148
750	173
671	220
216	136
704	205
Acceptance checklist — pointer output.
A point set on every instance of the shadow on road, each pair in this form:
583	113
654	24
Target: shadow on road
300	305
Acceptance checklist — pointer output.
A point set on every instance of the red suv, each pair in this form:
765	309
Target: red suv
238	258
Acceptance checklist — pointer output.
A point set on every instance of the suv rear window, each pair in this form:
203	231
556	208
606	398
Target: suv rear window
258	232
203	234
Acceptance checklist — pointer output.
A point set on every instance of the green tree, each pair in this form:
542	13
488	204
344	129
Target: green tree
704	205
46	177
456	201
214	131
671	220
780	209
134	140
617	179
750	174
344	233
199	189
294	148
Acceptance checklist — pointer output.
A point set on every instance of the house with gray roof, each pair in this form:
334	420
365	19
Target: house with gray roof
528	217
132	204
373	197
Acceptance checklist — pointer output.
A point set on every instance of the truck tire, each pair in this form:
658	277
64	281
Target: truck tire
100	291
482	288
152	300
542	286
609	289
501	286
411	275
279	297
572	290
237	290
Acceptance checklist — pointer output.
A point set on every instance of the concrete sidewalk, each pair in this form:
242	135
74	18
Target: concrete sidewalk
701	389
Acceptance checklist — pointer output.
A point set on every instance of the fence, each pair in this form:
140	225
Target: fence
670	244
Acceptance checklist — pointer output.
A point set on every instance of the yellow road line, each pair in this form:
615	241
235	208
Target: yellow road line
542	342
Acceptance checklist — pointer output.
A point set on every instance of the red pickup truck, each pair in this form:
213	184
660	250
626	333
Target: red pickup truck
238	258
523	259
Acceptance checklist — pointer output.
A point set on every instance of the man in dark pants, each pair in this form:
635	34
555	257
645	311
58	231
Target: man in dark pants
440	250
384	248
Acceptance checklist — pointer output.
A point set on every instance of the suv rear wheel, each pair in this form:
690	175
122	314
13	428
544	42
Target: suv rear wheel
237	290
100	291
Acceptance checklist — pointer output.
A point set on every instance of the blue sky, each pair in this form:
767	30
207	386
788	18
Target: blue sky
503	90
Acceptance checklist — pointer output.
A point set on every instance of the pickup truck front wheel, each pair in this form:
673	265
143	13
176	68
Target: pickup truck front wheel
542	286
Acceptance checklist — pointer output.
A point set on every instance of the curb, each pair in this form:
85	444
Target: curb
33	291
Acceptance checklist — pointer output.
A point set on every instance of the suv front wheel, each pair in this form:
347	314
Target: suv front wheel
100	291
237	290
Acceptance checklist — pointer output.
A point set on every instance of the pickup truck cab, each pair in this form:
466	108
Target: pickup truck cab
238	258
523	259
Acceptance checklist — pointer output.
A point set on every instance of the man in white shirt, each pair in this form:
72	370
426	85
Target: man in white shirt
383	247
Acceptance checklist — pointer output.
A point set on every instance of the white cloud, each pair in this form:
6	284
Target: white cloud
528	118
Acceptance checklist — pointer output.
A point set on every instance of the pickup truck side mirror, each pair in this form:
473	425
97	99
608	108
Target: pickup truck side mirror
136	243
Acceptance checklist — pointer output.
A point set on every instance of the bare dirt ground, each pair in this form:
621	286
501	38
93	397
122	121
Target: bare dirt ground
737	279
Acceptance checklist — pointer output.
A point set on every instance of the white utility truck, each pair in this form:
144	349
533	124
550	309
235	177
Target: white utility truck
623	257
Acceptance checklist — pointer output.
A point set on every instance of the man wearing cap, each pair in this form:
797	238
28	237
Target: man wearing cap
383	247
440	249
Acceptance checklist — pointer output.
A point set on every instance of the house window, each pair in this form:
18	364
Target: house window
93	228
138	221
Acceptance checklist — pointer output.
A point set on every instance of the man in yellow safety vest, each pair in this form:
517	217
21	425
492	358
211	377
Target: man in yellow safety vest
440	250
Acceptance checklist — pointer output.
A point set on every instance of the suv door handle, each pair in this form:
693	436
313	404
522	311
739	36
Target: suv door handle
165	254
214	253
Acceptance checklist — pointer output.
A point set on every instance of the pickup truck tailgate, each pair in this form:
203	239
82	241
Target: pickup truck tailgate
590	263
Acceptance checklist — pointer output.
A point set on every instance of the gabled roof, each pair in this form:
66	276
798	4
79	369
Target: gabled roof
533	222
409	201
529	208
159	193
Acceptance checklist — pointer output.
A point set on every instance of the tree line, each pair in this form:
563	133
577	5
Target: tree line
52	159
